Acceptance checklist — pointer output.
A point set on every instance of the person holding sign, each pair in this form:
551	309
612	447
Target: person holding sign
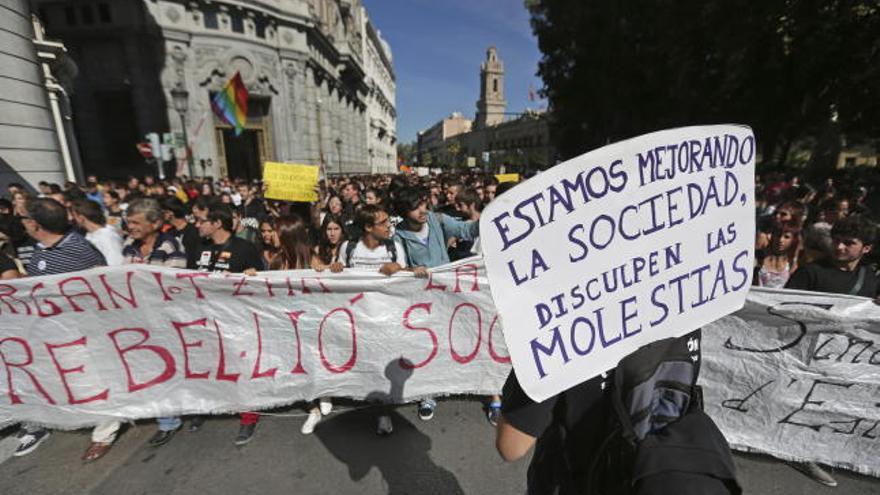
228	254
424	236
148	244
268	241
295	253
330	239
598	267
294	248
374	250
843	273
59	249
423	233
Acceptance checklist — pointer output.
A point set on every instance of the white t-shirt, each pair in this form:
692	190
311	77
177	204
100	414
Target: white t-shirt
109	243
363	258
422	234
477	247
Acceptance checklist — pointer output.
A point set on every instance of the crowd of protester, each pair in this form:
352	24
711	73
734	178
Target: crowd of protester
816	239
808	237
380	223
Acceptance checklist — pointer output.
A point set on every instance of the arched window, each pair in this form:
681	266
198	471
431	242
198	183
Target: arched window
495	85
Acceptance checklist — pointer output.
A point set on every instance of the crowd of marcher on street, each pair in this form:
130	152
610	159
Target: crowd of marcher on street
381	223
815	237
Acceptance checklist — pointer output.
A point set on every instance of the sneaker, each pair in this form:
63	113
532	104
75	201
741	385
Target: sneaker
493	414
161	437
245	434
326	406
309	426
385	426
817	473
29	441
195	424
426	410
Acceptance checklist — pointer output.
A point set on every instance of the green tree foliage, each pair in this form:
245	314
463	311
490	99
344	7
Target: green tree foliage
791	69
453	153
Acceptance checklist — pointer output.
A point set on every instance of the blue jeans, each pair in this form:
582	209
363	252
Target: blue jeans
169	423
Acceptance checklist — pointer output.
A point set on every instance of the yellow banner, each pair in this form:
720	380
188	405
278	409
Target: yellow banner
507	178
290	181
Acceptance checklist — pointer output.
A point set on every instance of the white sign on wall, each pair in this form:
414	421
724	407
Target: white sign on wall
637	241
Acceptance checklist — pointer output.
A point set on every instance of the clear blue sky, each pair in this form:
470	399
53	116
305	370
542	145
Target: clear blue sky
438	46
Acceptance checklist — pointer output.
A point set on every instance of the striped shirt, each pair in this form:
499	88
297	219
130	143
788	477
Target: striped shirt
24	251
167	251
72	253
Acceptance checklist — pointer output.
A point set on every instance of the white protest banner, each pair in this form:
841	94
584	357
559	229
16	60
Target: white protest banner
634	242
137	341
797	375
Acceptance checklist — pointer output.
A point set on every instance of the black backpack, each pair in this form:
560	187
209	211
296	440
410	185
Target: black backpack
352	244
660	440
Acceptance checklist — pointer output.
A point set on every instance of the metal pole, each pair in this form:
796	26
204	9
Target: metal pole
339	155
320	136
189	157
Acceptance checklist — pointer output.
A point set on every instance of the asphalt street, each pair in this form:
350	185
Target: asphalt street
454	453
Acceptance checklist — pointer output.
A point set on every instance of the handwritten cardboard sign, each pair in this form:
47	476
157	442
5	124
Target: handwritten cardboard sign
290	182
631	243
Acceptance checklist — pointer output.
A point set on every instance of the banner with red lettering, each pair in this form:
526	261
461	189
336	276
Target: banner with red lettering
138	341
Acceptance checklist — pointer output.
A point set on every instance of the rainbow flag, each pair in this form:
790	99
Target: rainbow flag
231	103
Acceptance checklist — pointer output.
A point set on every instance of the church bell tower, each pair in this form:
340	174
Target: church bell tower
491	105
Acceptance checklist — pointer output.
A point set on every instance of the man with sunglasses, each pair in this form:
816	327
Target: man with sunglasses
59	249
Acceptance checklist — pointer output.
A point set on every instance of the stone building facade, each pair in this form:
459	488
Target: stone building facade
381	109
32	140
495	138
315	91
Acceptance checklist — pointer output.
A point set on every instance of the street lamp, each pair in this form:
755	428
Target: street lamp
180	99
339	154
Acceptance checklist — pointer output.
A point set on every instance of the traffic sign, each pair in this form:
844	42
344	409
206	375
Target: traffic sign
145	150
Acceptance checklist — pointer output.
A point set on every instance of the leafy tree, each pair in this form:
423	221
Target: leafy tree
427	159
453	150
791	69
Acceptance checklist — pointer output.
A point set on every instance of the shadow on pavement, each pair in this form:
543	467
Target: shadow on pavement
402	457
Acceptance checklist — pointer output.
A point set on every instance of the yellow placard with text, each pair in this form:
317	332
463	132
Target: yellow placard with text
507	178
290	181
